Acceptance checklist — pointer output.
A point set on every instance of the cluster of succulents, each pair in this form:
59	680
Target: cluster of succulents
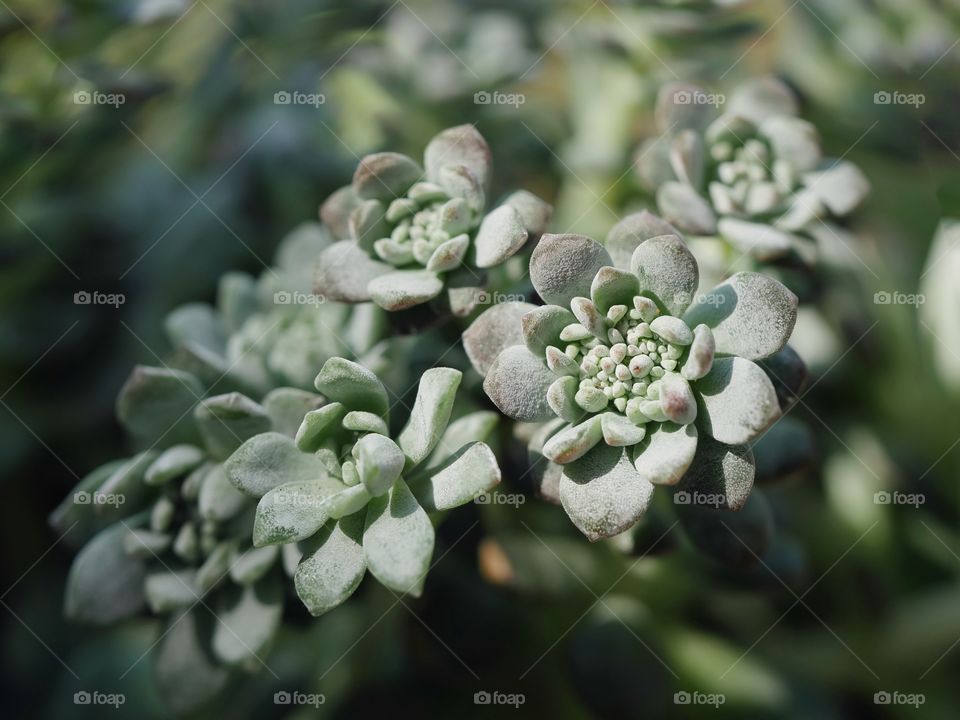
406	233
754	174
641	381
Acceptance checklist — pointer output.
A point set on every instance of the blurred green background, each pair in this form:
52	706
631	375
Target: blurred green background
203	168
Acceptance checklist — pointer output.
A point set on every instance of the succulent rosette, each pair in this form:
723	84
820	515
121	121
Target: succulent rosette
406	232
754	175
353	496
646	383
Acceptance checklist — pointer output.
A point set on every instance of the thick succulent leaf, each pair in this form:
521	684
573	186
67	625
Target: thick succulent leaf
449	255
385	176
788	373
344	271
286	407
575	441
738	401
336	209
667	272
404	289
368	224
793	140
760	98
252	564
535	214
541	327
721	476
560	396
154	405
469	473
841	187
196	324
494	330
172	463
353	385
589	317
500	235
517	383
187	676
146	544
332	566
758	240
238	298
611	287
687	158
626	235
318	425
126	482
430	414
618	431
219	500
398	540
226	421
562	267
247	620
471	428
738	539
460	145
105	583
70	512
216	567
665	454
266	461
602	492
365	422
293	511
380	460
677	400
787	447
167	591
684	207
751	315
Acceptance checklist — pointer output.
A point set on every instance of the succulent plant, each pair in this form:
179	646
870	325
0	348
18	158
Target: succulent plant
938	301
643	382
356	498
405	233
754	175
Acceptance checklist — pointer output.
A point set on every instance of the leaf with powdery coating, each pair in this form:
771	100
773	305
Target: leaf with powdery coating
500	235
225	421
430	414
667	271
721	476
404	289
332	566
266	461
398	540
738	401
469	473
631	231
517	383
562	267
353	385
344	272
385	176
494	330
460	145
665	454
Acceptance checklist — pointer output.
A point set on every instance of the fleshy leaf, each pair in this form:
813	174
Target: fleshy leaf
196	324
318	425
560	396
293	511
841	187
365	422
219	500
398	540
353	385
574	441
562	267
332	566
760	98
385	176
154	405
721	476
494	330
252	564
105	584
247	620
460	145
173	462
682	206
788	373
793	140
666	453
471	472
500	235
751	315
187	676
266	461
535	213
404	289
286	407
738	401
626	235
167	591
618	431
541	327
450	254
336	209
676	399
667	272
344	272
602	492
430	414
759	240
225	421
380	461
471	428
611	287
517	383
